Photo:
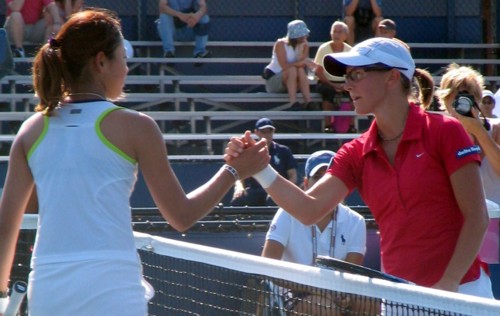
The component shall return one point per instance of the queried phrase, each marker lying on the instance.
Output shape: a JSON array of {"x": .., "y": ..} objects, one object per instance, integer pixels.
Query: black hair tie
[{"x": 53, "y": 43}]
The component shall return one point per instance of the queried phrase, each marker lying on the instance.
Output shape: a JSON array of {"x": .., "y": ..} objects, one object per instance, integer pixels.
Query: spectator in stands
[
  {"x": 249, "y": 191},
  {"x": 32, "y": 21},
  {"x": 387, "y": 28},
  {"x": 496, "y": 110},
  {"x": 429, "y": 234},
  {"x": 331, "y": 88},
  {"x": 361, "y": 14},
  {"x": 460, "y": 80},
  {"x": 287, "y": 71},
  {"x": 487, "y": 104},
  {"x": 83, "y": 163},
  {"x": 341, "y": 234},
  {"x": 68, "y": 7},
  {"x": 184, "y": 20}
]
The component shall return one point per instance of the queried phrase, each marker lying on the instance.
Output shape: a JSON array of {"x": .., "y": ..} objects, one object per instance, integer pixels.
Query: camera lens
[{"x": 463, "y": 105}]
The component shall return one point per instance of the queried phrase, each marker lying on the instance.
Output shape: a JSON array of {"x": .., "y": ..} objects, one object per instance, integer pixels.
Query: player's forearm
[
  {"x": 467, "y": 247},
  {"x": 7, "y": 252},
  {"x": 293, "y": 199},
  {"x": 200, "y": 201}
]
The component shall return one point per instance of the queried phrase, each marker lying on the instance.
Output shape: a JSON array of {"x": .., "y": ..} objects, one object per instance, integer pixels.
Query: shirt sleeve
[
  {"x": 456, "y": 146},
  {"x": 279, "y": 230},
  {"x": 344, "y": 167},
  {"x": 320, "y": 54},
  {"x": 357, "y": 230}
]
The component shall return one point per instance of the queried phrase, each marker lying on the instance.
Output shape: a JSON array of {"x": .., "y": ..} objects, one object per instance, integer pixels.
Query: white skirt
[{"x": 93, "y": 287}]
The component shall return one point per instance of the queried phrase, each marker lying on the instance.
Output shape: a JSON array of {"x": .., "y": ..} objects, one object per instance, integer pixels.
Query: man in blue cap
[
  {"x": 340, "y": 234},
  {"x": 249, "y": 191}
]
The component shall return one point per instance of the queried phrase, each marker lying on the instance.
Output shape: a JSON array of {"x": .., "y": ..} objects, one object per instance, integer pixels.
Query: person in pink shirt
[
  {"x": 418, "y": 172},
  {"x": 28, "y": 20}
]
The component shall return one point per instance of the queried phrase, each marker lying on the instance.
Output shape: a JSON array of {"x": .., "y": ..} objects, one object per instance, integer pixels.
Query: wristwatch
[{"x": 4, "y": 294}]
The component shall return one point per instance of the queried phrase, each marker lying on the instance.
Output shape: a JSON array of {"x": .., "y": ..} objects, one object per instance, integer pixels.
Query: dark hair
[
  {"x": 293, "y": 42},
  {"x": 61, "y": 63}
]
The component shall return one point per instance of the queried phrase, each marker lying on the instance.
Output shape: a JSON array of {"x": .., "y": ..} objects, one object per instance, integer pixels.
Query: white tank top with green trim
[{"x": 84, "y": 185}]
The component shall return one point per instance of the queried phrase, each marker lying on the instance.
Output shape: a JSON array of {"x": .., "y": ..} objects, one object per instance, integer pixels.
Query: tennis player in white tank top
[{"x": 81, "y": 153}]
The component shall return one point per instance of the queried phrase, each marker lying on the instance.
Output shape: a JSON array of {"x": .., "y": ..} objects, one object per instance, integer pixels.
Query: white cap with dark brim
[{"x": 378, "y": 50}]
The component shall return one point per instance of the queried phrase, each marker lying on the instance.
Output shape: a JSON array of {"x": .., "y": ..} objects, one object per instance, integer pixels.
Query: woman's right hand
[
  {"x": 246, "y": 155},
  {"x": 236, "y": 145}
]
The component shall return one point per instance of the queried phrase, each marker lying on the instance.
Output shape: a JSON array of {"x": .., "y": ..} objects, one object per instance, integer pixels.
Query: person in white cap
[
  {"x": 488, "y": 104},
  {"x": 287, "y": 70},
  {"x": 496, "y": 110},
  {"x": 429, "y": 234},
  {"x": 340, "y": 234}
]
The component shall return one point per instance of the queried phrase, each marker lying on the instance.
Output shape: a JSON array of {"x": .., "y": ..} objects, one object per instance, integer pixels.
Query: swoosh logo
[{"x": 419, "y": 155}]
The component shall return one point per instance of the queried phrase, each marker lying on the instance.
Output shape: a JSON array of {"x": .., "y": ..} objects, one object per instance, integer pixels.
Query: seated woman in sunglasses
[{"x": 418, "y": 172}]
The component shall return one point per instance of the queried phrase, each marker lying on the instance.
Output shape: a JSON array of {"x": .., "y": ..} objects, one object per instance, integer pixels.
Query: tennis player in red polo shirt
[{"x": 418, "y": 173}]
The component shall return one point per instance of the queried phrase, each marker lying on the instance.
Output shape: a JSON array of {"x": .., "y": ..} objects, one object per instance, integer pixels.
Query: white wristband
[
  {"x": 232, "y": 171},
  {"x": 4, "y": 301},
  {"x": 266, "y": 176}
]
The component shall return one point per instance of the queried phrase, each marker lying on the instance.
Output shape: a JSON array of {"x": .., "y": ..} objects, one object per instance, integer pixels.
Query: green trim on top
[
  {"x": 42, "y": 135},
  {"x": 106, "y": 141}
]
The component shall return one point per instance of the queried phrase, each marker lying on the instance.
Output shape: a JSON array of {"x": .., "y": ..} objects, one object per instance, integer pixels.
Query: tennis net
[{"x": 191, "y": 279}]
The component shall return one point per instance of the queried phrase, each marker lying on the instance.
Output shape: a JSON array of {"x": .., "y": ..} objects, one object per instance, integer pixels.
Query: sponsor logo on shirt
[{"x": 461, "y": 153}]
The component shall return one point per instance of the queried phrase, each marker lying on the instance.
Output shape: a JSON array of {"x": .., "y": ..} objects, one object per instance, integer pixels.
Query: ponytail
[
  {"x": 425, "y": 85},
  {"x": 48, "y": 77}
]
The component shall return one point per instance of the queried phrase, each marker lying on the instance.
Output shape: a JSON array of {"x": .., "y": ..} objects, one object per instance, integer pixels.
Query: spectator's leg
[
  {"x": 327, "y": 104},
  {"x": 290, "y": 81},
  {"x": 375, "y": 21},
  {"x": 304, "y": 86},
  {"x": 201, "y": 35},
  {"x": 350, "y": 7},
  {"x": 15, "y": 29},
  {"x": 37, "y": 33},
  {"x": 166, "y": 31},
  {"x": 351, "y": 23}
]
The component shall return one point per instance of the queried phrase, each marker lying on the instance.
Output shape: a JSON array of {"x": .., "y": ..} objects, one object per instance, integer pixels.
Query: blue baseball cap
[
  {"x": 264, "y": 123},
  {"x": 317, "y": 160}
]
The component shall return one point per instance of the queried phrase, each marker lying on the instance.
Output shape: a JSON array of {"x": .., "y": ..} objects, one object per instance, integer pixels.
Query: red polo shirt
[
  {"x": 412, "y": 200},
  {"x": 32, "y": 10}
]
